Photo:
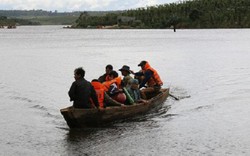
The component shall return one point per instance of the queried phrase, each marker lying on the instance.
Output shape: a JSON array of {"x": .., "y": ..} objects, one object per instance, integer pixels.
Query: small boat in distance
[{"x": 80, "y": 118}]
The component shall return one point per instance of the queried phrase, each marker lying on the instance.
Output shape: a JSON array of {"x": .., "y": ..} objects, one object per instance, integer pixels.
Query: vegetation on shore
[
  {"x": 184, "y": 14},
  {"x": 38, "y": 17},
  {"x": 46, "y": 17},
  {"x": 4, "y": 21}
]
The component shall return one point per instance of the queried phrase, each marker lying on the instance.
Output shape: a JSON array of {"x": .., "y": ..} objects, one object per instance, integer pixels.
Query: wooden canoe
[{"x": 80, "y": 118}]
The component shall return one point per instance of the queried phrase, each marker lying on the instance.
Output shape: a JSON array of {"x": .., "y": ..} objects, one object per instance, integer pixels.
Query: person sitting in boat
[
  {"x": 134, "y": 91},
  {"x": 113, "y": 87},
  {"x": 125, "y": 70},
  {"x": 100, "y": 92},
  {"x": 82, "y": 92},
  {"x": 139, "y": 76},
  {"x": 105, "y": 77},
  {"x": 151, "y": 79}
]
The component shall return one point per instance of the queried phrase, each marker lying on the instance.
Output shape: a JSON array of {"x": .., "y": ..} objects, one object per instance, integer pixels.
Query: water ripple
[
  {"x": 21, "y": 99},
  {"x": 204, "y": 107},
  {"x": 39, "y": 107}
]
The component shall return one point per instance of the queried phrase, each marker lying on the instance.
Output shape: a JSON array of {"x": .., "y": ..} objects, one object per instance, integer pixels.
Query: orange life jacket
[
  {"x": 99, "y": 89},
  {"x": 117, "y": 81},
  {"x": 155, "y": 79}
]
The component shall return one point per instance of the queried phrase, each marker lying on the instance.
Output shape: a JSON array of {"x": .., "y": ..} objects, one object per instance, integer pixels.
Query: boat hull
[{"x": 80, "y": 118}]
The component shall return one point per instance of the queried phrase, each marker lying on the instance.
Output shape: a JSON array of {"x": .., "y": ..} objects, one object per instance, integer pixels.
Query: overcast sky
[{"x": 78, "y": 5}]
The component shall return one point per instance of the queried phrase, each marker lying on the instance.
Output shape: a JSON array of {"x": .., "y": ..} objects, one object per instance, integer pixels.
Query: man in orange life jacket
[
  {"x": 151, "y": 79},
  {"x": 81, "y": 91},
  {"x": 113, "y": 87},
  {"x": 105, "y": 77},
  {"x": 114, "y": 84},
  {"x": 103, "y": 98}
]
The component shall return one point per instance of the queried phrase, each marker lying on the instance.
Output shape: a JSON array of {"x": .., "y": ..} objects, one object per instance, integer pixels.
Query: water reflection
[
  {"x": 118, "y": 128},
  {"x": 103, "y": 140}
]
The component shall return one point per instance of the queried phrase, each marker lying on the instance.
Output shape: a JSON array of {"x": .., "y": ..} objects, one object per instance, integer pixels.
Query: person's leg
[
  {"x": 146, "y": 91},
  {"x": 109, "y": 101},
  {"x": 157, "y": 89}
]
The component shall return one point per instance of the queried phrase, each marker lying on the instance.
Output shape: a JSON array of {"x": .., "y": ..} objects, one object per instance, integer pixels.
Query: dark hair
[
  {"x": 113, "y": 73},
  {"x": 109, "y": 66},
  {"x": 142, "y": 63},
  {"x": 80, "y": 71},
  {"x": 95, "y": 80}
]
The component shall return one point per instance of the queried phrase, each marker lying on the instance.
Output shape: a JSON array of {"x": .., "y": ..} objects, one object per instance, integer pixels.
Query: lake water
[{"x": 208, "y": 69}]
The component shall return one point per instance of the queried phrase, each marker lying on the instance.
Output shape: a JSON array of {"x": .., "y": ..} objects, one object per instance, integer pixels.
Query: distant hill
[
  {"x": 47, "y": 17},
  {"x": 183, "y": 14}
]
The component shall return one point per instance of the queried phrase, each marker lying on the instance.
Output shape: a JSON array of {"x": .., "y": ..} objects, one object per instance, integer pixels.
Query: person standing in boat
[
  {"x": 126, "y": 73},
  {"x": 105, "y": 77},
  {"x": 151, "y": 79},
  {"x": 82, "y": 92}
]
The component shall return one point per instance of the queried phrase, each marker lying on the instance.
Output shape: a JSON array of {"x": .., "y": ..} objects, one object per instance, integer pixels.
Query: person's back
[
  {"x": 100, "y": 92},
  {"x": 81, "y": 91}
]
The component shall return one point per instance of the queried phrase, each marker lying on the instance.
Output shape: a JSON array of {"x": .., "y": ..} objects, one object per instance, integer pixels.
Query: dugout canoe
[{"x": 80, "y": 118}]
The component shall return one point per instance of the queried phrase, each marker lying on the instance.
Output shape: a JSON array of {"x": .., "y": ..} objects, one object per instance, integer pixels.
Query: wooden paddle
[{"x": 174, "y": 97}]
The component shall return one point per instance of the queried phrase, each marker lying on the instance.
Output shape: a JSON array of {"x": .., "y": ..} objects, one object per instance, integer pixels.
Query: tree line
[
  {"x": 32, "y": 13},
  {"x": 182, "y": 14},
  {"x": 5, "y": 21},
  {"x": 34, "y": 17}
]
